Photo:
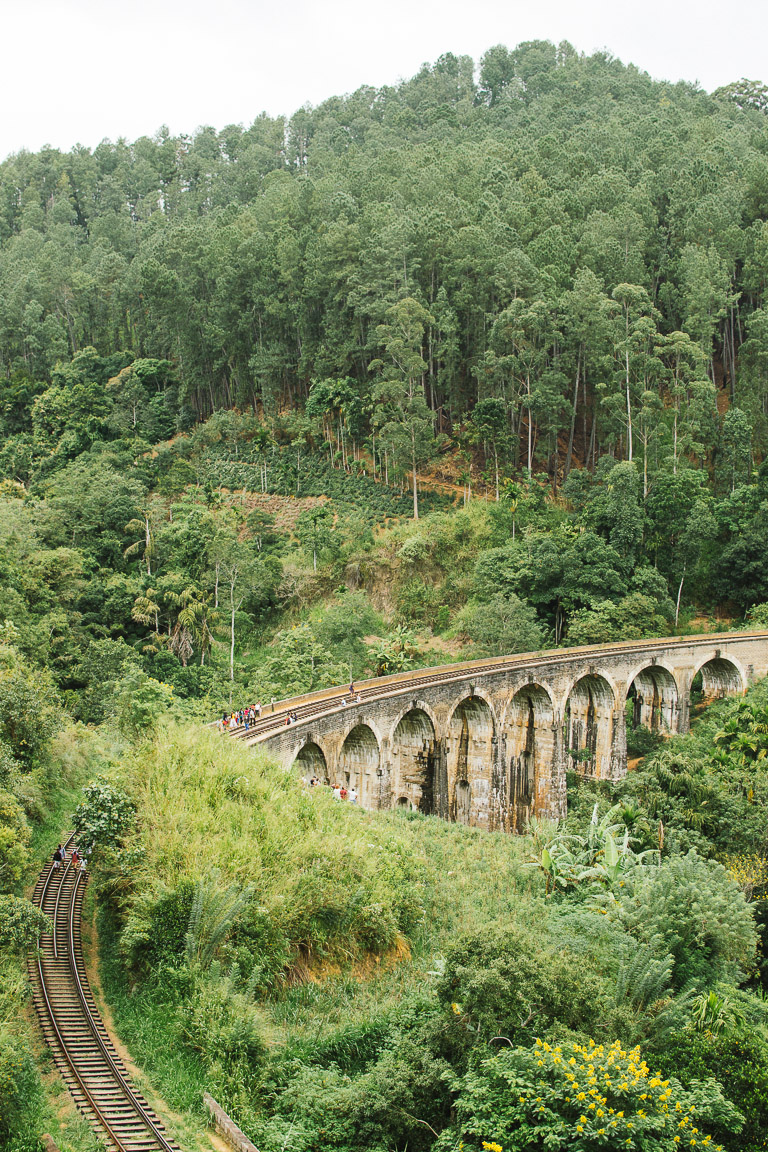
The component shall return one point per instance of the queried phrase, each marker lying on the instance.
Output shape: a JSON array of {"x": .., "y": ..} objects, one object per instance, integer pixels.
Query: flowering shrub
[{"x": 582, "y": 1098}]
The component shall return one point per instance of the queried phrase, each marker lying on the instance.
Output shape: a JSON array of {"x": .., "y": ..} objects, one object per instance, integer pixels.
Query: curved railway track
[
  {"x": 72, "y": 1026},
  {"x": 317, "y": 704}
]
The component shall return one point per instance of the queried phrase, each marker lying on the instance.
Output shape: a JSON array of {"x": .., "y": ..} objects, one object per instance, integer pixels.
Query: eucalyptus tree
[{"x": 404, "y": 419}]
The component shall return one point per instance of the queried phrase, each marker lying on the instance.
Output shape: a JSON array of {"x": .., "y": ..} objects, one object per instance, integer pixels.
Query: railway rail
[
  {"x": 72, "y": 1026},
  {"x": 317, "y": 704}
]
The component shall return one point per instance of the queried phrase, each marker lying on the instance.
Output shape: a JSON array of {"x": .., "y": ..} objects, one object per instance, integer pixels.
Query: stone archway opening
[
  {"x": 470, "y": 754},
  {"x": 360, "y": 765},
  {"x": 311, "y": 762},
  {"x": 715, "y": 679},
  {"x": 531, "y": 748},
  {"x": 415, "y": 758},
  {"x": 652, "y": 704},
  {"x": 588, "y": 726}
]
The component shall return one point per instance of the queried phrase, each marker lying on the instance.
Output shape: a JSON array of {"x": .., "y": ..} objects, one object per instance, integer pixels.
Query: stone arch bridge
[{"x": 488, "y": 742}]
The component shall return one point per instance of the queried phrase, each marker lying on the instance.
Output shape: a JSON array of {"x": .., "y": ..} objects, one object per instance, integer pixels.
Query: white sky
[{"x": 76, "y": 71}]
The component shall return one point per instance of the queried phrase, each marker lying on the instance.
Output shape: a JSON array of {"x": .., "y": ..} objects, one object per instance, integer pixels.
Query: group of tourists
[
  {"x": 241, "y": 717},
  {"x": 246, "y": 717},
  {"x": 77, "y": 861},
  {"x": 340, "y": 791}
]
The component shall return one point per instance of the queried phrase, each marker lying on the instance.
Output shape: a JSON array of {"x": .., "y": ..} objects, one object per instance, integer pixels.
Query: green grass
[{"x": 142, "y": 1019}]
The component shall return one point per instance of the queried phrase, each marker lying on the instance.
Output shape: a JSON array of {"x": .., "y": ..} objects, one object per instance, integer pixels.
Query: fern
[
  {"x": 214, "y": 911},
  {"x": 643, "y": 977}
]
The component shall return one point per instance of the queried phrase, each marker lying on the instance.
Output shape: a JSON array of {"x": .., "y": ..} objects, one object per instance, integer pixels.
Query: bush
[
  {"x": 738, "y": 1062},
  {"x": 104, "y": 817},
  {"x": 580, "y": 1097},
  {"x": 19, "y": 1084},
  {"x": 501, "y": 625},
  {"x": 691, "y": 908},
  {"x": 508, "y": 982},
  {"x": 641, "y": 741},
  {"x": 14, "y": 841},
  {"x": 220, "y": 1023},
  {"x": 140, "y": 702},
  {"x": 20, "y": 923}
]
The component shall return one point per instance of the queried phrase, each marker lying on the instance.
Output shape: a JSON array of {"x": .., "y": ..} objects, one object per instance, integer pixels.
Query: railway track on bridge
[
  {"x": 72, "y": 1026},
  {"x": 318, "y": 704}
]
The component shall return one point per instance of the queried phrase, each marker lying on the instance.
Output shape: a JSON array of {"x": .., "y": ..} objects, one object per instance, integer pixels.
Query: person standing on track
[
  {"x": 58, "y": 856},
  {"x": 75, "y": 859}
]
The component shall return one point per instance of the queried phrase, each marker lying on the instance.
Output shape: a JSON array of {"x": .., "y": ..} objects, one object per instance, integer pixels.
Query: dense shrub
[
  {"x": 512, "y": 982},
  {"x": 104, "y": 817},
  {"x": 19, "y": 1083},
  {"x": 739, "y": 1063},
  {"x": 220, "y": 1022},
  {"x": 580, "y": 1097},
  {"x": 692, "y": 909}
]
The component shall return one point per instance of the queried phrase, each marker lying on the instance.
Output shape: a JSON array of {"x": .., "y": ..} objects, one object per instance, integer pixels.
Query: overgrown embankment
[{"x": 347, "y": 980}]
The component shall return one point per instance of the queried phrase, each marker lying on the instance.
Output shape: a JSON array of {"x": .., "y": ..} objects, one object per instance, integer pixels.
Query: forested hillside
[
  {"x": 540, "y": 281},
  {"x": 562, "y": 234}
]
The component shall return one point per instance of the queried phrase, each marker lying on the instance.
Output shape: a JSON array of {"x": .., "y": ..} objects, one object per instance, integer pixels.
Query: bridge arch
[
  {"x": 360, "y": 764},
  {"x": 720, "y": 676},
  {"x": 310, "y": 760},
  {"x": 470, "y": 750},
  {"x": 531, "y": 748},
  {"x": 588, "y": 724},
  {"x": 415, "y": 758},
  {"x": 654, "y": 694}
]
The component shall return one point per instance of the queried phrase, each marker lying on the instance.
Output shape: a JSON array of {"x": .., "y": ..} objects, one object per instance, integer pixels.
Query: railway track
[
  {"x": 72, "y": 1026},
  {"x": 317, "y": 704}
]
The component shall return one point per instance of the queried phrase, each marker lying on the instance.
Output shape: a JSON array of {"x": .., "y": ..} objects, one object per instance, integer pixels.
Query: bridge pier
[{"x": 618, "y": 762}]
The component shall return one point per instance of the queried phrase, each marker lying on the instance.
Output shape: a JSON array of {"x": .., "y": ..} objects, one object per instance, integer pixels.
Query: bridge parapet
[{"x": 488, "y": 742}]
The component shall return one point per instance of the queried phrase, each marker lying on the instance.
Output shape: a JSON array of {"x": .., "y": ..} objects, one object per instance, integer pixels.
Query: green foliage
[
  {"x": 505, "y": 983},
  {"x": 641, "y": 741},
  {"x": 20, "y": 923},
  {"x": 632, "y": 618},
  {"x": 297, "y": 662},
  {"x": 219, "y": 1022},
  {"x": 501, "y": 625},
  {"x": 105, "y": 816},
  {"x": 214, "y": 910},
  {"x": 739, "y": 1062},
  {"x": 581, "y": 1097},
  {"x": 140, "y": 701},
  {"x": 19, "y": 1084},
  {"x": 693, "y": 910},
  {"x": 343, "y": 626},
  {"x": 14, "y": 843},
  {"x": 27, "y": 714},
  {"x": 397, "y": 652}
]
